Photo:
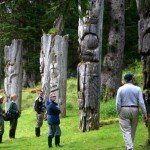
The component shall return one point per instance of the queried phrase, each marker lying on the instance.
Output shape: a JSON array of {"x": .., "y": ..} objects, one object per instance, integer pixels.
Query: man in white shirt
[{"x": 129, "y": 98}]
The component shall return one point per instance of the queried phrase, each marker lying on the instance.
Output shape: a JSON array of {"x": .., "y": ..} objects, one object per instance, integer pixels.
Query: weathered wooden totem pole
[
  {"x": 13, "y": 71},
  {"x": 90, "y": 42},
  {"x": 44, "y": 64},
  {"x": 144, "y": 49},
  {"x": 53, "y": 67}
]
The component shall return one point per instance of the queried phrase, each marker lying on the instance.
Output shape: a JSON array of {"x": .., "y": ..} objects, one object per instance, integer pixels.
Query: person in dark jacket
[
  {"x": 14, "y": 111},
  {"x": 53, "y": 112},
  {"x": 1, "y": 119},
  {"x": 40, "y": 108}
]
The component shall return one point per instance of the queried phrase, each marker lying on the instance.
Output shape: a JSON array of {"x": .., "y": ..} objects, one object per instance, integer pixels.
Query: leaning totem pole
[
  {"x": 90, "y": 42},
  {"x": 144, "y": 48},
  {"x": 13, "y": 71},
  {"x": 53, "y": 68}
]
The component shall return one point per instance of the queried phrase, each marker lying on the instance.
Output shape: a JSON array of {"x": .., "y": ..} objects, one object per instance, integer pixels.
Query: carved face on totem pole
[
  {"x": 89, "y": 51},
  {"x": 89, "y": 34}
]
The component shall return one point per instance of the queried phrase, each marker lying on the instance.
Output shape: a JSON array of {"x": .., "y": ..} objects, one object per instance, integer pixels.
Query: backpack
[{"x": 9, "y": 116}]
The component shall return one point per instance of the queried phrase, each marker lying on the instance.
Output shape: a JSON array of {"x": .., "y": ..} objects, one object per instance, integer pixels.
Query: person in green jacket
[
  {"x": 13, "y": 110},
  {"x": 1, "y": 119}
]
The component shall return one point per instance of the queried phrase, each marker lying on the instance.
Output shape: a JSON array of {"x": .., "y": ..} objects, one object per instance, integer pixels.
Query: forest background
[{"x": 30, "y": 19}]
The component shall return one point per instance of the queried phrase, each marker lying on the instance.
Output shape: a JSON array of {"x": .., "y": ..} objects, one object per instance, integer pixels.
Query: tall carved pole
[
  {"x": 44, "y": 64},
  {"x": 53, "y": 68},
  {"x": 144, "y": 49},
  {"x": 90, "y": 43},
  {"x": 13, "y": 71}
]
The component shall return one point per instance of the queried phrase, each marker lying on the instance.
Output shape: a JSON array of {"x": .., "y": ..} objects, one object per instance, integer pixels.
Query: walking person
[
  {"x": 129, "y": 98},
  {"x": 14, "y": 111},
  {"x": 40, "y": 108},
  {"x": 53, "y": 119},
  {"x": 1, "y": 119}
]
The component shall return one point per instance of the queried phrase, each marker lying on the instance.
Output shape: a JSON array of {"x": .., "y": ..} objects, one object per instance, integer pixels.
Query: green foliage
[
  {"x": 28, "y": 99},
  {"x": 136, "y": 69},
  {"x": 131, "y": 34},
  {"x": 72, "y": 103},
  {"x": 85, "y": 5},
  {"x": 53, "y": 31},
  {"x": 108, "y": 110}
]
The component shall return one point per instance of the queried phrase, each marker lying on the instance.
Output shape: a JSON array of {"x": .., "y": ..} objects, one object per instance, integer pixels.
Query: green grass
[{"x": 108, "y": 137}]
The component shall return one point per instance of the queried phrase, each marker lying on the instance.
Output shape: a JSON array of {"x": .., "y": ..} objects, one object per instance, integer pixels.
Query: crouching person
[
  {"x": 53, "y": 112},
  {"x": 1, "y": 119}
]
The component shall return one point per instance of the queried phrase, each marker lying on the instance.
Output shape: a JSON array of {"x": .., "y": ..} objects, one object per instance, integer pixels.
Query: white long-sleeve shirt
[{"x": 128, "y": 95}]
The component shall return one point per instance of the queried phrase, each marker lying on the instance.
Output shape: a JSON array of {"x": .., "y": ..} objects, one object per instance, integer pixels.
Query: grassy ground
[{"x": 108, "y": 137}]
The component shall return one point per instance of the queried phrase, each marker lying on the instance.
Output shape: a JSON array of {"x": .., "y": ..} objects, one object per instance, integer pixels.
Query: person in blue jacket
[{"x": 53, "y": 120}]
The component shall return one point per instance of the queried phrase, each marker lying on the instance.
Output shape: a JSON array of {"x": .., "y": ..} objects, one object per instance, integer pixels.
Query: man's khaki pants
[{"x": 128, "y": 119}]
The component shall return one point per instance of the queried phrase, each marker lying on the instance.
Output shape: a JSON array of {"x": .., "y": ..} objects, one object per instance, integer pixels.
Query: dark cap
[{"x": 128, "y": 77}]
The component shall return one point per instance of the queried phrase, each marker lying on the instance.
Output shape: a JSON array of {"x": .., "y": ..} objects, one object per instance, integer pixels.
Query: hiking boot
[
  {"x": 49, "y": 141},
  {"x": 57, "y": 141},
  {"x": 1, "y": 138},
  {"x": 37, "y": 131}
]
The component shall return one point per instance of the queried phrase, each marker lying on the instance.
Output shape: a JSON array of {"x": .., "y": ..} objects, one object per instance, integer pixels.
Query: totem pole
[
  {"x": 13, "y": 71},
  {"x": 90, "y": 43},
  {"x": 144, "y": 49},
  {"x": 53, "y": 67}
]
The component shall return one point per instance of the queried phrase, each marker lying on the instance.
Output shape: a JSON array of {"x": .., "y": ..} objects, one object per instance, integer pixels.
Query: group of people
[
  {"x": 14, "y": 112},
  {"x": 51, "y": 110},
  {"x": 129, "y": 98}
]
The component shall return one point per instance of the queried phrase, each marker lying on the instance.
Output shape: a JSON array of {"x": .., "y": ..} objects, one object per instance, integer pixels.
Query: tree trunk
[
  {"x": 112, "y": 64},
  {"x": 144, "y": 49},
  {"x": 53, "y": 68},
  {"x": 13, "y": 71},
  {"x": 90, "y": 43},
  {"x": 0, "y": 68}
]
